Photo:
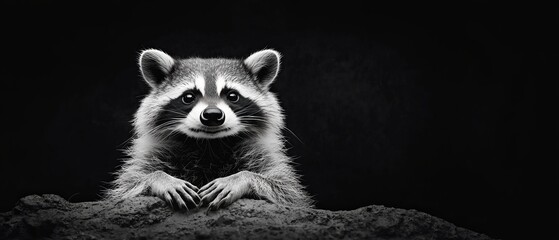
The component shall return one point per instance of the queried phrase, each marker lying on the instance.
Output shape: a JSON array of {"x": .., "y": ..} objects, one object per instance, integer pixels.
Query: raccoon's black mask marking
[
  {"x": 176, "y": 110},
  {"x": 248, "y": 112}
]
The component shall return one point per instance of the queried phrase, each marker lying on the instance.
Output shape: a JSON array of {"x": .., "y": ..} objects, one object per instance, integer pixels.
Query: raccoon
[{"x": 208, "y": 133}]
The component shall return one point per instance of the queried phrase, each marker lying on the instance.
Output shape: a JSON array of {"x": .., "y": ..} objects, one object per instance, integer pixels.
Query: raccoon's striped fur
[{"x": 209, "y": 132}]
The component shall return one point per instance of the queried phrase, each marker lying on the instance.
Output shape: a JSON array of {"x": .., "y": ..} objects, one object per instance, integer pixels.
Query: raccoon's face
[{"x": 208, "y": 98}]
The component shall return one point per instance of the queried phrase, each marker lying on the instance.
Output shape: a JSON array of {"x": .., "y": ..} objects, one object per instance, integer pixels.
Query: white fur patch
[
  {"x": 193, "y": 118},
  {"x": 200, "y": 83},
  {"x": 244, "y": 90},
  {"x": 175, "y": 91},
  {"x": 219, "y": 84},
  {"x": 231, "y": 119}
]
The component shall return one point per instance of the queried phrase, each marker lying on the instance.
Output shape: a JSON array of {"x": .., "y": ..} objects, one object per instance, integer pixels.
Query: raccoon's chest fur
[{"x": 201, "y": 160}]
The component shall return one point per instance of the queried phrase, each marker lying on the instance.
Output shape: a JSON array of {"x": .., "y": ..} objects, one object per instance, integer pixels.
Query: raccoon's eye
[
  {"x": 188, "y": 98},
  {"x": 233, "y": 96}
]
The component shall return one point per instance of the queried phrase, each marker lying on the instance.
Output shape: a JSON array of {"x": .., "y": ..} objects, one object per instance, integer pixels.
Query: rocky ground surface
[{"x": 52, "y": 217}]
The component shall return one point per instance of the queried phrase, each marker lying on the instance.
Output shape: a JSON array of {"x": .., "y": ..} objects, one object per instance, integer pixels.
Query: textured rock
[{"x": 52, "y": 217}]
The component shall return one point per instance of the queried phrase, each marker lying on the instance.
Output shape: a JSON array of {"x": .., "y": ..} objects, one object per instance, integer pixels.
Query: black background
[{"x": 444, "y": 109}]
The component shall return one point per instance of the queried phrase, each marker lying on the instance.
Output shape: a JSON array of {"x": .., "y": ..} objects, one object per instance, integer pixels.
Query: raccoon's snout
[{"x": 212, "y": 117}]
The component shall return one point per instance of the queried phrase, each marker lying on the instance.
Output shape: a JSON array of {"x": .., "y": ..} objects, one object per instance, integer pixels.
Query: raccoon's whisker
[
  {"x": 126, "y": 141},
  {"x": 162, "y": 127},
  {"x": 175, "y": 112},
  {"x": 170, "y": 133},
  {"x": 157, "y": 129},
  {"x": 243, "y": 112},
  {"x": 254, "y": 100},
  {"x": 253, "y": 113},
  {"x": 252, "y": 119},
  {"x": 292, "y": 133}
]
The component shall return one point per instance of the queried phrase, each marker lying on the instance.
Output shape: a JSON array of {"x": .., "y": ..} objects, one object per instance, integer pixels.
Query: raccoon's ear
[
  {"x": 155, "y": 66},
  {"x": 264, "y": 65}
]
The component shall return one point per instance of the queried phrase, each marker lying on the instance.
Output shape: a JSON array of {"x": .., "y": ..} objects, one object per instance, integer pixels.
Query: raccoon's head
[{"x": 208, "y": 98}]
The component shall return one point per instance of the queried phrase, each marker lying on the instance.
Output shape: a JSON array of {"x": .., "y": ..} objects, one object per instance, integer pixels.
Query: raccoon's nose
[{"x": 212, "y": 117}]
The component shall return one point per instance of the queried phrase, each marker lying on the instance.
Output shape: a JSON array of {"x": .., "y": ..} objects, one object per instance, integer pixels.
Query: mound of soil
[{"x": 52, "y": 217}]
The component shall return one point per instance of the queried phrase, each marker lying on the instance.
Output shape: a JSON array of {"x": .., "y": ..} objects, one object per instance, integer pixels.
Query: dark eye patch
[
  {"x": 176, "y": 109},
  {"x": 248, "y": 112}
]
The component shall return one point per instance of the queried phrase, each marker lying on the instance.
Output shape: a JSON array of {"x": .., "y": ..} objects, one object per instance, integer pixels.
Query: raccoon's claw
[
  {"x": 192, "y": 187},
  {"x": 181, "y": 197},
  {"x": 221, "y": 192},
  {"x": 179, "y": 194}
]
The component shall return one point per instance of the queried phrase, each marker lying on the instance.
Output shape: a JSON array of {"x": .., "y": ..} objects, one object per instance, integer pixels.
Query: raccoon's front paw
[
  {"x": 179, "y": 194},
  {"x": 223, "y": 191}
]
